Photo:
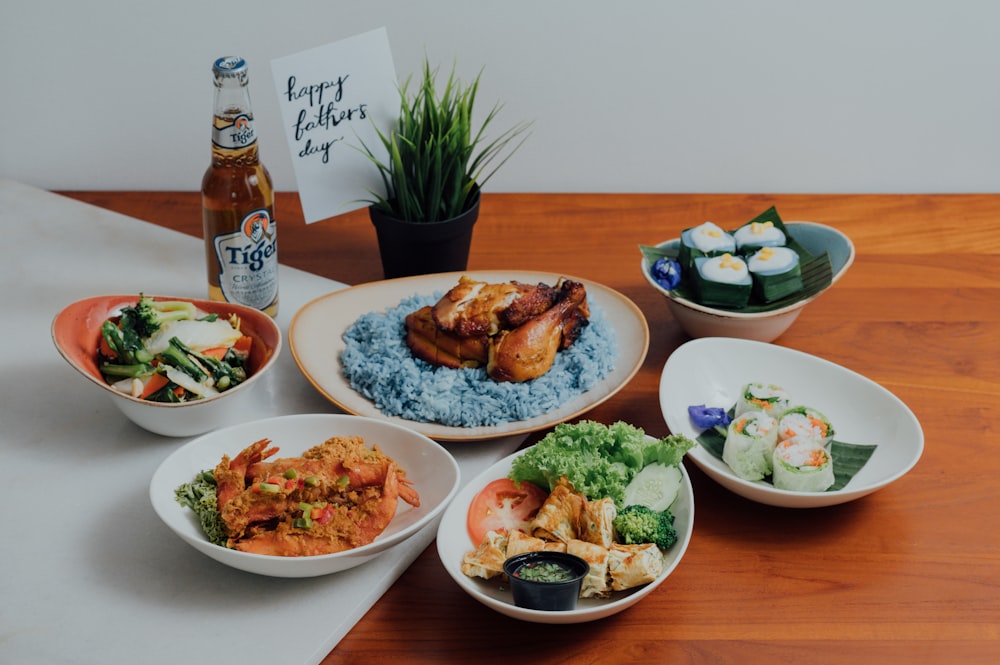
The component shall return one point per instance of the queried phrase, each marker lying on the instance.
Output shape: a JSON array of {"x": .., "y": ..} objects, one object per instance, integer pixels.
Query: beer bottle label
[
  {"x": 236, "y": 135},
  {"x": 248, "y": 258}
]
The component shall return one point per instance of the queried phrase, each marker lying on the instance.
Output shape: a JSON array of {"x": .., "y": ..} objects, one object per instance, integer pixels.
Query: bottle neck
[{"x": 234, "y": 138}]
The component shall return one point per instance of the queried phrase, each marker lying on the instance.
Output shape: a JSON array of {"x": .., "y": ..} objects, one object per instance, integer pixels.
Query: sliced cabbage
[
  {"x": 197, "y": 335},
  {"x": 189, "y": 384}
]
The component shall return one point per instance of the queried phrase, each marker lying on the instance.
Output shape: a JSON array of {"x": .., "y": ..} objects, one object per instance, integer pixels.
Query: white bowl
[
  {"x": 432, "y": 469},
  {"x": 76, "y": 331},
  {"x": 700, "y": 321},
  {"x": 712, "y": 371},
  {"x": 453, "y": 542}
]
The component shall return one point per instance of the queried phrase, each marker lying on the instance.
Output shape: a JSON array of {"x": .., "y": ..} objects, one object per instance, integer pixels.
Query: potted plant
[{"x": 434, "y": 169}]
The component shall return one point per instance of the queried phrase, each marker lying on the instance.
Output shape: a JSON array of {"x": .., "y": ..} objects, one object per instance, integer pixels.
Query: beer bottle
[{"x": 237, "y": 199}]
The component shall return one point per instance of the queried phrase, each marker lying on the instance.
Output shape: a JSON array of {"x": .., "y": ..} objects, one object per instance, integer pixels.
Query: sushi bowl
[
  {"x": 699, "y": 320},
  {"x": 865, "y": 416}
]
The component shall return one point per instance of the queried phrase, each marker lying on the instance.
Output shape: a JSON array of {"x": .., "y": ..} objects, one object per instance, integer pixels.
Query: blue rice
[{"x": 379, "y": 366}]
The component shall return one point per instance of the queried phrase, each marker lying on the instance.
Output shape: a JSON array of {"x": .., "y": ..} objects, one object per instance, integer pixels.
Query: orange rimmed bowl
[{"x": 76, "y": 332}]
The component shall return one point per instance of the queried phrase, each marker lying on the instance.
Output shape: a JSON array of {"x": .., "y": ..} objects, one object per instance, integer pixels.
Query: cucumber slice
[{"x": 655, "y": 487}]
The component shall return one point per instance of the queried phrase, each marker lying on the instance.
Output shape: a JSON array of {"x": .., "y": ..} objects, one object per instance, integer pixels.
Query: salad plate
[
  {"x": 316, "y": 341},
  {"x": 711, "y": 371},
  {"x": 433, "y": 471},
  {"x": 453, "y": 542}
]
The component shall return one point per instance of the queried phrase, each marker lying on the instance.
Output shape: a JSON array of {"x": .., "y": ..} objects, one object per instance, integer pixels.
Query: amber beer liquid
[{"x": 237, "y": 199}]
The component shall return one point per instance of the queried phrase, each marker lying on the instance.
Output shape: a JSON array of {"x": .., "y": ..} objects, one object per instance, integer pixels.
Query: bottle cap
[{"x": 231, "y": 66}]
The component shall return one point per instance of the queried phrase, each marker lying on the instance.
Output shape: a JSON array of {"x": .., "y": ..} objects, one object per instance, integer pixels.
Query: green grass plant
[{"x": 436, "y": 163}]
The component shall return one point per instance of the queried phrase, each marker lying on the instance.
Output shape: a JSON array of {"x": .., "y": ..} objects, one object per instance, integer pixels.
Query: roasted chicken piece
[
  {"x": 473, "y": 308},
  {"x": 439, "y": 347},
  {"x": 514, "y": 329},
  {"x": 528, "y": 351}
]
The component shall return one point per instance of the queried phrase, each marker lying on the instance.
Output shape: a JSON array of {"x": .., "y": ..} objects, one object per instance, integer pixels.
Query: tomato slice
[{"x": 503, "y": 505}]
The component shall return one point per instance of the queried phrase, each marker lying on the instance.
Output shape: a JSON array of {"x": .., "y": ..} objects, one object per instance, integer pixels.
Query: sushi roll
[
  {"x": 722, "y": 281},
  {"x": 766, "y": 397},
  {"x": 749, "y": 446},
  {"x": 758, "y": 234},
  {"x": 776, "y": 273},
  {"x": 800, "y": 465},
  {"x": 805, "y": 422},
  {"x": 707, "y": 239}
]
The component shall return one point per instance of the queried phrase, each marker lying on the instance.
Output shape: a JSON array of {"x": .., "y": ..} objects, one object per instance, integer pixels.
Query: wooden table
[{"x": 909, "y": 574}]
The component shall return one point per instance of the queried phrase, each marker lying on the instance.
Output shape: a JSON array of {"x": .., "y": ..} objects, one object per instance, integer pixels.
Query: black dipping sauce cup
[{"x": 535, "y": 594}]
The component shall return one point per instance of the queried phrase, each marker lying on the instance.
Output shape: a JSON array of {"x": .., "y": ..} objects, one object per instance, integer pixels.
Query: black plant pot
[{"x": 422, "y": 248}]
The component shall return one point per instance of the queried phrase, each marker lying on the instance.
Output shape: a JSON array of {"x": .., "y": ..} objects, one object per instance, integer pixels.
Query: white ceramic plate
[
  {"x": 453, "y": 542},
  {"x": 712, "y": 371},
  {"x": 432, "y": 469},
  {"x": 316, "y": 341}
]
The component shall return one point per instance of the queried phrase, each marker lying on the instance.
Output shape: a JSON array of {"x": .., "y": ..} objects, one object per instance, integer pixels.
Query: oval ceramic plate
[
  {"x": 432, "y": 469},
  {"x": 712, "y": 371},
  {"x": 316, "y": 341},
  {"x": 453, "y": 542}
]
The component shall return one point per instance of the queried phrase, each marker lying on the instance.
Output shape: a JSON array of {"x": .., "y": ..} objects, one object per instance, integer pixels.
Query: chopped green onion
[
  {"x": 291, "y": 474},
  {"x": 269, "y": 487}
]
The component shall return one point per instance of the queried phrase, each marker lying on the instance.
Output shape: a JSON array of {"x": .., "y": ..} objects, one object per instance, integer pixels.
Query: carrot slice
[
  {"x": 240, "y": 347},
  {"x": 156, "y": 381},
  {"x": 106, "y": 349},
  {"x": 243, "y": 344}
]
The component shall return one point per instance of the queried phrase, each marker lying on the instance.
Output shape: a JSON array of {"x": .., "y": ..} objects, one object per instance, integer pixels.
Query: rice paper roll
[
  {"x": 766, "y": 397},
  {"x": 722, "y": 281},
  {"x": 800, "y": 465},
  {"x": 755, "y": 235},
  {"x": 749, "y": 446},
  {"x": 776, "y": 273},
  {"x": 805, "y": 422},
  {"x": 708, "y": 239}
]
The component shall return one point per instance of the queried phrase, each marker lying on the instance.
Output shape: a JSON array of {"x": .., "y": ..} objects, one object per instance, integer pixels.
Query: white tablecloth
[{"x": 89, "y": 573}]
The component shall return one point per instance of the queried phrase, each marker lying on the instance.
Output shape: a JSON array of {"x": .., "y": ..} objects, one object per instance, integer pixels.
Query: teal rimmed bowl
[{"x": 763, "y": 325}]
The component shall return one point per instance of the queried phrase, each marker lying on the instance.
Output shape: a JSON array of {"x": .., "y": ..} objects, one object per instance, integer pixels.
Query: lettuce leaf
[{"x": 599, "y": 460}]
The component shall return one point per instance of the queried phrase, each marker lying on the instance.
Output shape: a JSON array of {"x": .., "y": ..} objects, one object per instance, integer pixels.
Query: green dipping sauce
[{"x": 544, "y": 571}]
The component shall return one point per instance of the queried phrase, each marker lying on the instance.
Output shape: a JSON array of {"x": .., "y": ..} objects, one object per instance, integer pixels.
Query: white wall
[{"x": 641, "y": 96}]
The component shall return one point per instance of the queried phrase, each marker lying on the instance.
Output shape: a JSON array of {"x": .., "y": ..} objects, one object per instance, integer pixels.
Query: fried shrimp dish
[{"x": 337, "y": 496}]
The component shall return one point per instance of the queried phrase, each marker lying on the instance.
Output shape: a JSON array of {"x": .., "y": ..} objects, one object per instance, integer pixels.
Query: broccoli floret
[
  {"x": 637, "y": 524},
  {"x": 149, "y": 315},
  {"x": 125, "y": 337}
]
